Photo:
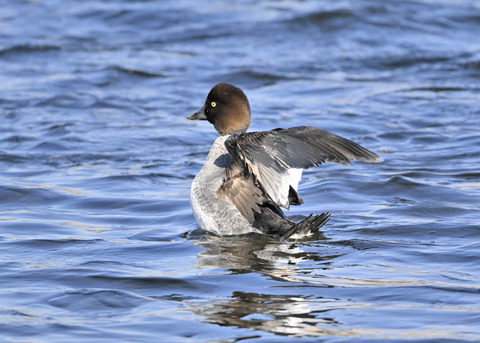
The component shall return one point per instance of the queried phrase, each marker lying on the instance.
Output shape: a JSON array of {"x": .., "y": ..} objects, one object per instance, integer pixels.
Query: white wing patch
[
  {"x": 295, "y": 177},
  {"x": 277, "y": 185}
]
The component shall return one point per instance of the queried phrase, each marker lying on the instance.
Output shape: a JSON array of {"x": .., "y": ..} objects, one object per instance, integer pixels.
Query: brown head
[{"x": 227, "y": 108}]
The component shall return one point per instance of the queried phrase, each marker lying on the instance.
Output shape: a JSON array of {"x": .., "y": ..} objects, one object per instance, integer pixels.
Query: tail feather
[{"x": 307, "y": 226}]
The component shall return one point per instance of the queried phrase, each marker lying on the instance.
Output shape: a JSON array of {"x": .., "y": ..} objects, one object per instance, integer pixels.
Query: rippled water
[{"x": 97, "y": 239}]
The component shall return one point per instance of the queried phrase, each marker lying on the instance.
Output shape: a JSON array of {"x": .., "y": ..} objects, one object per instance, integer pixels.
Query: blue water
[{"x": 97, "y": 238}]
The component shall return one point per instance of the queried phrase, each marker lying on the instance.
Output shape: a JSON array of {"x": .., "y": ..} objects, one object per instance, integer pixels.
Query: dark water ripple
[{"x": 97, "y": 238}]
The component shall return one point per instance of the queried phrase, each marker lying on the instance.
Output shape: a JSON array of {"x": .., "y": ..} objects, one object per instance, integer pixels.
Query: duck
[{"x": 248, "y": 177}]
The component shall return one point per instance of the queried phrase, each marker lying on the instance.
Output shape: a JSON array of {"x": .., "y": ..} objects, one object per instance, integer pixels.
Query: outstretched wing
[{"x": 274, "y": 156}]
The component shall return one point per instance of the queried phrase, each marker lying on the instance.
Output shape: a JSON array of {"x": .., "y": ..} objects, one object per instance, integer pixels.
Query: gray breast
[{"x": 214, "y": 214}]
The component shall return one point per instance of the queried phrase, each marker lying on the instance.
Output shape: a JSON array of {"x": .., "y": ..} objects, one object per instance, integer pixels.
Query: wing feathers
[
  {"x": 244, "y": 194},
  {"x": 274, "y": 158}
]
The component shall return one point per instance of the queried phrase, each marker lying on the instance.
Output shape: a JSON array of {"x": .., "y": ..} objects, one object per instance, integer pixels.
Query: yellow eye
[{"x": 213, "y": 103}]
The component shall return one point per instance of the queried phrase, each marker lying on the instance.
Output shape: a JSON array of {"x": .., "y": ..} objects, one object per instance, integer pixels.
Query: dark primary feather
[
  {"x": 307, "y": 226},
  {"x": 272, "y": 221}
]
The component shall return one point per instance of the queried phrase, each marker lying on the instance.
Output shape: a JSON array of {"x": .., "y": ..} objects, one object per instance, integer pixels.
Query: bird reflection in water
[{"x": 280, "y": 312}]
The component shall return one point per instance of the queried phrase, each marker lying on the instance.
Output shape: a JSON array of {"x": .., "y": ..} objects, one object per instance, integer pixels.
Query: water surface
[{"x": 97, "y": 238}]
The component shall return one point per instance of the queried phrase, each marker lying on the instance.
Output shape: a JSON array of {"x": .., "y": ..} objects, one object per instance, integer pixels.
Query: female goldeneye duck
[{"x": 247, "y": 177}]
